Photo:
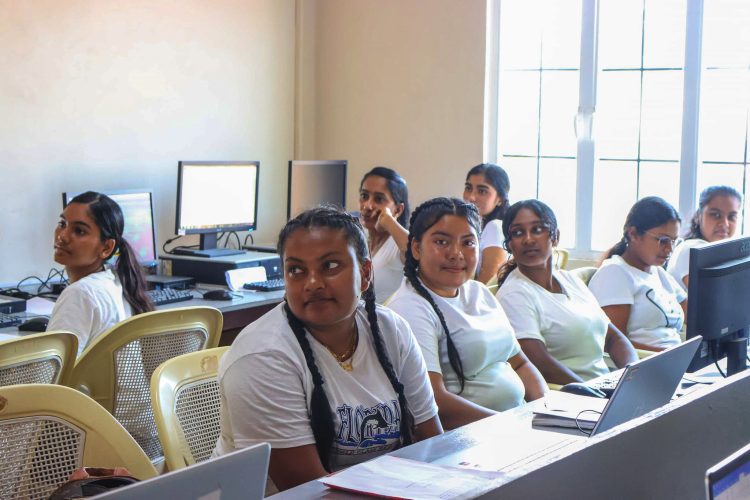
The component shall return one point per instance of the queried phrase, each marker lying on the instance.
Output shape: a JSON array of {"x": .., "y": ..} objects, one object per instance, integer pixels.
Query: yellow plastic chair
[
  {"x": 115, "y": 370},
  {"x": 43, "y": 358},
  {"x": 560, "y": 258},
  {"x": 493, "y": 285},
  {"x": 584, "y": 273},
  {"x": 186, "y": 400},
  {"x": 47, "y": 431}
]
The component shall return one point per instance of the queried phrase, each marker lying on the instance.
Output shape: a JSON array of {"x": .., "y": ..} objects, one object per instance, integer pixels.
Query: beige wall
[
  {"x": 397, "y": 83},
  {"x": 110, "y": 94}
]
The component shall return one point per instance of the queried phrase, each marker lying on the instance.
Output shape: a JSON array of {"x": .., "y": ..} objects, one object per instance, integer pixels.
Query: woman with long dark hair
[
  {"x": 716, "y": 219},
  {"x": 486, "y": 187},
  {"x": 384, "y": 211},
  {"x": 328, "y": 378},
  {"x": 88, "y": 235},
  {"x": 475, "y": 363},
  {"x": 557, "y": 320},
  {"x": 640, "y": 298}
]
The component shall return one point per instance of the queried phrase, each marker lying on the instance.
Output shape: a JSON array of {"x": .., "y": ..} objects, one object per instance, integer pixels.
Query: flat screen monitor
[
  {"x": 730, "y": 478},
  {"x": 719, "y": 302},
  {"x": 214, "y": 197},
  {"x": 315, "y": 182},
  {"x": 138, "y": 211}
]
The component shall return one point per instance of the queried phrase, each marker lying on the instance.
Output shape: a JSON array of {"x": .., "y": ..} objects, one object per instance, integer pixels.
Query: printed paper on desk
[
  {"x": 238, "y": 277},
  {"x": 393, "y": 477},
  {"x": 40, "y": 306}
]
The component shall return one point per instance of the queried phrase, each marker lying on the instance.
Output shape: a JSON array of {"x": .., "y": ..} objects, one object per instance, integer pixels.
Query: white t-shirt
[
  {"x": 571, "y": 324},
  {"x": 679, "y": 264},
  {"x": 492, "y": 236},
  {"x": 266, "y": 388},
  {"x": 482, "y": 335},
  {"x": 388, "y": 270},
  {"x": 89, "y": 307},
  {"x": 655, "y": 315}
]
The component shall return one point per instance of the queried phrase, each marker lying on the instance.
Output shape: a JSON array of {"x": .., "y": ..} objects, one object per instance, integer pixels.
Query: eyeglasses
[{"x": 665, "y": 241}]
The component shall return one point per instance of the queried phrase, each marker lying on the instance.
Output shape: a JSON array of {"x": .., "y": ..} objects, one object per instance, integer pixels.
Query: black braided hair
[
  {"x": 543, "y": 211},
  {"x": 498, "y": 178},
  {"x": 424, "y": 217},
  {"x": 321, "y": 415},
  {"x": 645, "y": 214},
  {"x": 706, "y": 196}
]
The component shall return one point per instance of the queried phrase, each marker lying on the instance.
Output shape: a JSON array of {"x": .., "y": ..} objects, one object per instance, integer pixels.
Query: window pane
[
  {"x": 617, "y": 114},
  {"x": 557, "y": 188},
  {"x": 620, "y": 27},
  {"x": 723, "y": 114},
  {"x": 518, "y": 122},
  {"x": 520, "y": 35},
  {"x": 614, "y": 194},
  {"x": 559, "y": 106},
  {"x": 660, "y": 179},
  {"x": 561, "y": 33},
  {"x": 664, "y": 34},
  {"x": 522, "y": 174},
  {"x": 712, "y": 174},
  {"x": 661, "y": 117},
  {"x": 726, "y": 33}
]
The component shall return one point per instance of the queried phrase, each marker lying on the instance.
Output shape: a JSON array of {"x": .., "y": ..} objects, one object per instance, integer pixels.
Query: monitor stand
[{"x": 207, "y": 248}]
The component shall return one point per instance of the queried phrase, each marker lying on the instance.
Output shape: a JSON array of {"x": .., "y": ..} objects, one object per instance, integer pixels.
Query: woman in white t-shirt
[
  {"x": 716, "y": 219},
  {"x": 384, "y": 211},
  {"x": 487, "y": 187},
  {"x": 634, "y": 290},
  {"x": 557, "y": 320},
  {"x": 327, "y": 379},
  {"x": 475, "y": 364},
  {"x": 89, "y": 233}
]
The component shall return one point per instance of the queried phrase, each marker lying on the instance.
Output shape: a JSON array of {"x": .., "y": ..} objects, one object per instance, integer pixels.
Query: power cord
[
  {"x": 252, "y": 241},
  {"x": 578, "y": 425}
]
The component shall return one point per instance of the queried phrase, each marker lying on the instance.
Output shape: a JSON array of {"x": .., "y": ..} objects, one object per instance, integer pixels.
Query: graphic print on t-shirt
[{"x": 368, "y": 429}]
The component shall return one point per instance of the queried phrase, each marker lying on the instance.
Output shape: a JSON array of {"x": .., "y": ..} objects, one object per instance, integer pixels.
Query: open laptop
[
  {"x": 647, "y": 384},
  {"x": 241, "y": 474},
  {"x": 730, "y": 478}
]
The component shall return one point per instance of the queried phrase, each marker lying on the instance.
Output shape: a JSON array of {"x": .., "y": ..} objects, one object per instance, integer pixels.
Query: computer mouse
[
  {"x": 37, "y": 324},
  {"x": 582, "y": 390},
  {"x": 218, "y": 295}
]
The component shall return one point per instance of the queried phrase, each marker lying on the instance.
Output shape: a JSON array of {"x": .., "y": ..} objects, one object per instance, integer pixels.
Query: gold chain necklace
[{"x": 345, "y": 360}]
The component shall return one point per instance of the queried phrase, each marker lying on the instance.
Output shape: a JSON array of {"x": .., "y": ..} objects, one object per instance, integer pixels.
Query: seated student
[
  {"x": 88, "y": 235},
  {"x": 475, "y": 364},
  {"x": 487, "y": 187},
  {"x": 384, "y": 210},
  {"x": 636, "y": 293},
  {"x": 327, "y": 379},
  {"x": 716, "y": 219},
  {"x": 557, "y": 320}
]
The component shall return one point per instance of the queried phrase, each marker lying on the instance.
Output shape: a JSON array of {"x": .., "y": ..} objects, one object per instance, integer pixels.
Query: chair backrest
[
  {"x": 115, "y": 370},
  {"x": 560, "y": 258},
  {"x": 584, "y": 273},
  {"x": 47, "y": 431},
  {"x": 43, "y": 358},
  {"x": 186, "y": 400}
]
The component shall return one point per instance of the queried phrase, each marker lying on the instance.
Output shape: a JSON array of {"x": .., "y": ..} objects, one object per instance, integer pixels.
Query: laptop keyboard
[
  {"x": 10, "y": 320},
  {"x": 265, "y": 286},
  {"x": 169, "y": 296},
  {"x": 607, "y": 383}
]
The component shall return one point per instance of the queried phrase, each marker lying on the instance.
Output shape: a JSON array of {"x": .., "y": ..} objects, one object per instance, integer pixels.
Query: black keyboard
[
  {"x": 607, "y": 383},
  {"x": 265, "y": 286},
  {"x": 169, "y": 296},
  {"x": 10, "y": 320}
]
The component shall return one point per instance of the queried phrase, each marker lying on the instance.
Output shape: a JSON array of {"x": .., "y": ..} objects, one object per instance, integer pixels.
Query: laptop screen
[{"x": 730, "y": 479}]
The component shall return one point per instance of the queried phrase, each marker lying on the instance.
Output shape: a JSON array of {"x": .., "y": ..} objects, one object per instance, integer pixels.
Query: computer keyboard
[
  {"x": 10, "y": 320},
  {"x": 169, "y": 296},
  {"x": 265, "y": 286},
  {"x": 607, "y": 383}
]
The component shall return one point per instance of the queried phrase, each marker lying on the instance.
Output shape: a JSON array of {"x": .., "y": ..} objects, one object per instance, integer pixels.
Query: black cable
[
  {"x": 252, "y": 240},
  {"x": 164, "y": 246},
  {"x": 585, "y": 431},
  {"x": 719, "y": 368},
  {"x": 239, "y": 245}
]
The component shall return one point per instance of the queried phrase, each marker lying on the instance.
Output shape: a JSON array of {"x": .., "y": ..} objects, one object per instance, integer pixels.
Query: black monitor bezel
[
  {"x": 218, "y": 229},
  {"x": 301, "y": 163},
  {"x": 69, "y": 195}
]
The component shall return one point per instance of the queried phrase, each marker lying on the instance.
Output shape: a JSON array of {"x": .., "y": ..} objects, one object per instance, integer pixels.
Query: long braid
[
  {"x": 321, "y": 418},
  {"x": 427, "y": 214},
  {"x": 407, "y": 419},
  {"x": 505, "y": 270}
]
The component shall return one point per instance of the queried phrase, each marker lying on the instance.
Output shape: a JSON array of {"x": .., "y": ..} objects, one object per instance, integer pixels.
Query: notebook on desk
[
  {"x": 730, "y": 478},
  {"x": 241, "y": 474},
  {"x": 644, "y": 386}
]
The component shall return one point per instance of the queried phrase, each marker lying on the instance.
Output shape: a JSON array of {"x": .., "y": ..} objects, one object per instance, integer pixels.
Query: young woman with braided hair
[
  {"x": 475, "y": 364},
  {"x": 328, "y": 379}
]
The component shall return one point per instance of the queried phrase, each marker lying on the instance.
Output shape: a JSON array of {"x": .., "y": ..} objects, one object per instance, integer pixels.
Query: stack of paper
[{"x": 569, "y": 410}]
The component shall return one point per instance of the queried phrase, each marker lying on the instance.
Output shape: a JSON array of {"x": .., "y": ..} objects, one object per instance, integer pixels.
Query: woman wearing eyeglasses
[
  {"x": 634, "y": 290},
  {"x": 716, "y": 219}
]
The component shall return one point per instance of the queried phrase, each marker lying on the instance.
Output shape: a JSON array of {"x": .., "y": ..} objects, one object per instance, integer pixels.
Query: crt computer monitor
[
  {"x": 315, "y": 182},
  {"x": 214, "y": 197},
  {"x": 138, "y": 211},
  {"x": 719, "y": 302}
]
